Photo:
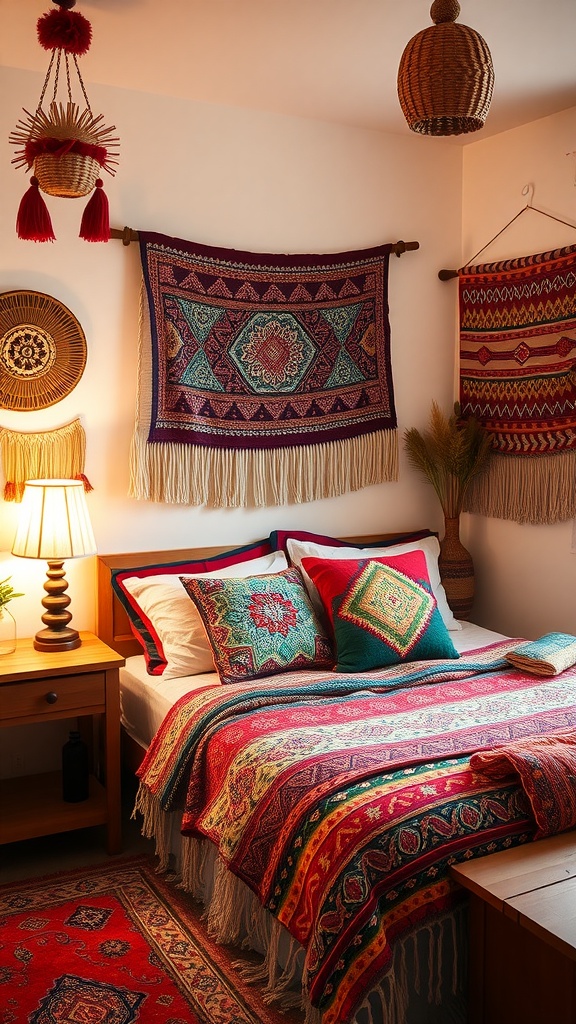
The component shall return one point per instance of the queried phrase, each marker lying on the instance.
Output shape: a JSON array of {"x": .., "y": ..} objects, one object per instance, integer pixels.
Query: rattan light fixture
[{"x": 445, "y": 76}]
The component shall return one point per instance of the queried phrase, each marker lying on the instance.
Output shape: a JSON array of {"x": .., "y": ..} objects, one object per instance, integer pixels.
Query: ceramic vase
[{"x": 456, "y": 570}]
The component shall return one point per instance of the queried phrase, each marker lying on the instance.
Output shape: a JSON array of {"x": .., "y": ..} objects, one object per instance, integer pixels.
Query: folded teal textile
[{"x": 547, "y": 656}]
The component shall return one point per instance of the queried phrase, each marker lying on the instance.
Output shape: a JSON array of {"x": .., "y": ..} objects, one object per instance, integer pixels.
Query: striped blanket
[{"x": 342, "y": 802}]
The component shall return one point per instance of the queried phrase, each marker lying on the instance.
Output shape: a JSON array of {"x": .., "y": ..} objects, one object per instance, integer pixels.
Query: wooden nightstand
[{"x": 38, "y": 687}]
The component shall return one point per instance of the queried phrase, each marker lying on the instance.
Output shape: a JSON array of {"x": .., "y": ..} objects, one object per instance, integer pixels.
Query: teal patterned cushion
[{"x": 260, "y": 625}]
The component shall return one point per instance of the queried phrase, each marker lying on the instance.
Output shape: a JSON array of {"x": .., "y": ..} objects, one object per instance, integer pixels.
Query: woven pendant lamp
[{"x": 445, "y": 76}]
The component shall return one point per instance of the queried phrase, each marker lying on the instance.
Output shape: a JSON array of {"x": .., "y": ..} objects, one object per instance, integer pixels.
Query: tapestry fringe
[
  {"x": 42, "y": 455},
  {"x": 539, "y": 490},
  {"x": 242, "y": 478}
]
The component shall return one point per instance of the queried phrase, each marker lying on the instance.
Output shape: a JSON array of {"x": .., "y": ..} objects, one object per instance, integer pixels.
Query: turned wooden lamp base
[{"x": 57, "y": 636}]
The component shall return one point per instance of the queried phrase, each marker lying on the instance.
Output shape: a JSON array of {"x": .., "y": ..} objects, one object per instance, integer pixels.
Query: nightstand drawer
[{"x": 60, "y": 694}]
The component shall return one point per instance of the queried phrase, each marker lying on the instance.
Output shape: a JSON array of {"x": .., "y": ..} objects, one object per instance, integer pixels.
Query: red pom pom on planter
[{"x": 65, "y": 30}]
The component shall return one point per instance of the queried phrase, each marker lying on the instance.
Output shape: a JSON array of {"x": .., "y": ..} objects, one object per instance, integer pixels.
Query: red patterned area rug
[{"x": 112, "y": 945}]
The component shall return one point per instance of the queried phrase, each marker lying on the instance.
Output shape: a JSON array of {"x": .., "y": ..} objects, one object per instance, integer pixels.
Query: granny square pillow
[
  {"x": 260, "y": 625},
  {"x": 382, "y": 610},
  {"x": 297, "y": 550}
]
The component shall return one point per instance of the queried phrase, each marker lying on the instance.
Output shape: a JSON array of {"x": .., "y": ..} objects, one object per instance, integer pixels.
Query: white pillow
[
  {"x": 175, "y": 617},
  {"x": 299, "y": 549}
]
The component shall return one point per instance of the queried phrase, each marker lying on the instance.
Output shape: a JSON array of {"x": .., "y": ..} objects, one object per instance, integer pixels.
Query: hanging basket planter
[
  {"x": 68, "y": 177},
  {"x": 66, "y": 147}
]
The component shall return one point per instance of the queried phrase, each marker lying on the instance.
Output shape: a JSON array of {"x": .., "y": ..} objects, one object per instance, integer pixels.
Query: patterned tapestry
[
  {"x": 518, "y": 377},
  {"x": 264, "y": 379}
]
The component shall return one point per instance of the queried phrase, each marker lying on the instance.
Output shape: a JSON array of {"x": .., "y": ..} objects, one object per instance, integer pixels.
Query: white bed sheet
[{"x": 145, "y": 699}]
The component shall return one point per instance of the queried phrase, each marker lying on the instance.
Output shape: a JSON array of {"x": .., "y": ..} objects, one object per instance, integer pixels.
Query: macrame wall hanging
[
  {"x": 66, "y": 145},
  {"x": 42, "y": 455}
]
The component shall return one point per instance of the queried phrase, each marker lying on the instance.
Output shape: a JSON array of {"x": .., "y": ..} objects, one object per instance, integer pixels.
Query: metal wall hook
[{"x": 528, "y": 190}]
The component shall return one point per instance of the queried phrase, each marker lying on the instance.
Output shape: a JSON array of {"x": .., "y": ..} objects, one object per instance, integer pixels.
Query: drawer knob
[{"x": 51, "y": 697}]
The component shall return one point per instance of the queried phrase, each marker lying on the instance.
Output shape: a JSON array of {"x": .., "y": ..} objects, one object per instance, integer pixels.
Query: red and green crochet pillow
[
  {"x": 260, "y": 625},
  {"x": 382, "y": 610}
]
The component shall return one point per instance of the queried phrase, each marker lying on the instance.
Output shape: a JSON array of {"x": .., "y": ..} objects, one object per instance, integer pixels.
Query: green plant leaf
[{"x": 7, "y": 592}]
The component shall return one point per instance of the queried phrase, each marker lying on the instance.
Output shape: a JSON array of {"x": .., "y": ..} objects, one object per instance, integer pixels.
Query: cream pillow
[
  {"x": 299, "y": 549},
  {"x": 175, "y": 618}
]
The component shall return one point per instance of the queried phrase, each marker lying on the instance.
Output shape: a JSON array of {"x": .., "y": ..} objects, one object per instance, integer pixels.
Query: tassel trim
[
  {"x": 33, "y": 223},
  {"x": 95, "y": 225}
]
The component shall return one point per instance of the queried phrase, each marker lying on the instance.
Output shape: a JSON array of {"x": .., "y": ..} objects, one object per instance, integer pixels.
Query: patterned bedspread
[{"x": 342, "y": 802}]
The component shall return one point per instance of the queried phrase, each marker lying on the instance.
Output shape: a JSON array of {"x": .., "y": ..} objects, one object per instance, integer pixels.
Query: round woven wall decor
[{"x": 42, "y": 350}]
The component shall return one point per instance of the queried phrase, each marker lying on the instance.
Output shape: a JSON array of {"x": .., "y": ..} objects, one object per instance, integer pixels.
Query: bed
[{"x": 314, "y": 794}]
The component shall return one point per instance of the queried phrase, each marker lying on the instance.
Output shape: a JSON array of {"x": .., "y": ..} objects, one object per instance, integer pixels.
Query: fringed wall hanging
[
  {"x": 264, "y": 379},
  {"x": 42, "y": 350},
  {"x": 42, "y": 455},
  {"x": 518, "y": 377},
  {"x": 67, "y": 146}
]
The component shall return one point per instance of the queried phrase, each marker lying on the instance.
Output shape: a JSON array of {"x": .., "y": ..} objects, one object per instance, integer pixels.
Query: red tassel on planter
[
  {"x": 95, "y": 226},
  {"x": 85, "y": 481},
  {"x": 33, "y": 219}
]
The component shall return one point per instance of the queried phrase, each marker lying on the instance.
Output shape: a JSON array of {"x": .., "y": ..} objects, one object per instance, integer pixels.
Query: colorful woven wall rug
[
  {"x": 42, "y": 350},
  {"x": 518, "y": 378},
  {"x": 66, "y": 145},
  {"x": 264, "y": 378},
  {"x": 116, "y": 945}
]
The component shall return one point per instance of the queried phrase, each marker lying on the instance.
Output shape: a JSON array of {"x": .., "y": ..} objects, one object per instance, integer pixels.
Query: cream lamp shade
[{"x": 54, "y": 524}]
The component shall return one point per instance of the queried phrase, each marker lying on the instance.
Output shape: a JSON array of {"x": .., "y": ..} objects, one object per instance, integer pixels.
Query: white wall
[
  {"x": 244, "y": 179},
  {"x": 526, "y": 575}
]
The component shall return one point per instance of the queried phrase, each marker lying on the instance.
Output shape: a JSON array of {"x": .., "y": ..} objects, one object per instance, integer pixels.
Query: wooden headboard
[{"x": 112, "y": 623}]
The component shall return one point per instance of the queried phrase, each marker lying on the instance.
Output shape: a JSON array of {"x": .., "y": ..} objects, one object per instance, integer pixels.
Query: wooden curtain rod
[{"x": 128, "y": 235}]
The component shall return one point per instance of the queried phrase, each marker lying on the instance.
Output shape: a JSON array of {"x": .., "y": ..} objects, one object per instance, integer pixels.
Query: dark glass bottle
[{"x": 75, "y": 770}]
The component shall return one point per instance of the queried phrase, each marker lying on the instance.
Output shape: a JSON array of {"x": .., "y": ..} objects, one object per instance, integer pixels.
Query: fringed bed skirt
[{"x": 425, "y": 986}]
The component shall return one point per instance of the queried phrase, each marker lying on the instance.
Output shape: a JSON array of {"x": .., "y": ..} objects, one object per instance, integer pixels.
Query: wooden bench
[{"x": 522, "y": 965}]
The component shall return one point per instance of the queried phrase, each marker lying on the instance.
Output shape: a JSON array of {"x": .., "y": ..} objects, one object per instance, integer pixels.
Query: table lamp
[{"x": 54, "y": 524}]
